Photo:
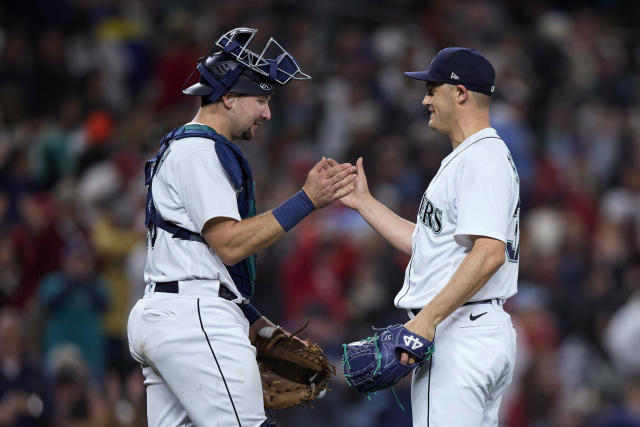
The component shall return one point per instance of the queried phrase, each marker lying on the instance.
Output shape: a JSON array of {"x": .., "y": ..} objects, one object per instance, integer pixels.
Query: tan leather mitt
[{"x": 293, "y": 372}]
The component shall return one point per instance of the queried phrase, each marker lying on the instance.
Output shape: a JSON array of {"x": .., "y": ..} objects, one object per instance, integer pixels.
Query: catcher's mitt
[
  {"x": 372, "y": 364},
  {"x": 293, "y": 371}
]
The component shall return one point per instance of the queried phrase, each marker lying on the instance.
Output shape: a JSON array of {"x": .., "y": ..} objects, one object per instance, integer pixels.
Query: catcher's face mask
[{"x": 236, "y": 69}]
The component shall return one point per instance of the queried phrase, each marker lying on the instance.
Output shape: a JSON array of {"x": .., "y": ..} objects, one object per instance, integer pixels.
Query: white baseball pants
[
  {"x": 470, "y": 369},
  {"x": 200, "y": 368}
]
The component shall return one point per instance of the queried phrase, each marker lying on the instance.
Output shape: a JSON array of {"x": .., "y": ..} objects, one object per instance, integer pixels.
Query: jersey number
[{"x": 513, "y": 246}]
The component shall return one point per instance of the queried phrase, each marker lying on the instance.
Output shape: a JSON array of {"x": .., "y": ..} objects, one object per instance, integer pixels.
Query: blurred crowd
[{"x": 87, "y": 89}]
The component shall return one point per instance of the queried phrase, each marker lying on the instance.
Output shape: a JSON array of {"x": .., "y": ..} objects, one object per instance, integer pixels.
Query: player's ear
[
  {"x": 227, "y": 100},
  {"x": 462, "y": 94}
]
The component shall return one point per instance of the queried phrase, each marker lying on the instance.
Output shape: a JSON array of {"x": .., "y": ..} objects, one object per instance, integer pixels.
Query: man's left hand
[{"x": 425, "y": 329}]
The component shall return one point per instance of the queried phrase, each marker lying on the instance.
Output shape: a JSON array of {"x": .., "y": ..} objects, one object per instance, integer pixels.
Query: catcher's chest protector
[{"x": 237, "y": 168}]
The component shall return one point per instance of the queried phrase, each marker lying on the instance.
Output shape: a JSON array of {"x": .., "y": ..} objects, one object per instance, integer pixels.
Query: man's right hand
[
  {"x": 360, "y": 193},
  {"x": 328, "y": 182}
]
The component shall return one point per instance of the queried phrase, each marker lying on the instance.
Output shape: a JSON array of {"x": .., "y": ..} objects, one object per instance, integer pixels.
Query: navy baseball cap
[{"x": 459, "y": 66}]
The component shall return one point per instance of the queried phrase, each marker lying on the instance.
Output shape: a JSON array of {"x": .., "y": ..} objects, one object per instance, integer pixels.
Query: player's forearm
[
  {"x": 393, "y": 228},
  {"x": 234, "y": 241},
  {"x": 476, "y": 269}
]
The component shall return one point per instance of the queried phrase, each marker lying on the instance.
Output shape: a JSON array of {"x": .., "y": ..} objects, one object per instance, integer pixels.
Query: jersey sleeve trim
[
  {"x": 214, "y": 216},
  {"x": 469, "y": 231}
]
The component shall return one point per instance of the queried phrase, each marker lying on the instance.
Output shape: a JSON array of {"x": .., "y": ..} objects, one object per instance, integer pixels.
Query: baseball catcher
[
  {"x": 293, "y": 371},
  {"x": 189, "y": 332},
  {"x": 373, "y": 363}
]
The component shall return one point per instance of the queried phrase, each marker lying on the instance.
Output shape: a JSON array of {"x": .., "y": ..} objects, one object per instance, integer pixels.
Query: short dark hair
[{"x": 204, "y": 100}]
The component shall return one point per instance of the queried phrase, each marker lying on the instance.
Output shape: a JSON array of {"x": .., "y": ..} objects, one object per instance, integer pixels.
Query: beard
[{"x": 248, "y": 135}]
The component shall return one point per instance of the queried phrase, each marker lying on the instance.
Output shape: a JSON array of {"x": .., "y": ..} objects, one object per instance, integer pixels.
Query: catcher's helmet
[{"x": 236, "y": 69}]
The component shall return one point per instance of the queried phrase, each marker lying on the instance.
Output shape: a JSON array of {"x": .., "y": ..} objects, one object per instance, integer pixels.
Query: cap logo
[
  {"x": 493, "y": 88},
  {"x": 265, "y": 86},
  {"x": 454, "y": 76}
]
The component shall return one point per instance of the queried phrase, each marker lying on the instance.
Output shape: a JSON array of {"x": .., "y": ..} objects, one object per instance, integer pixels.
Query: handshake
[{"x": 329, "y": 180}]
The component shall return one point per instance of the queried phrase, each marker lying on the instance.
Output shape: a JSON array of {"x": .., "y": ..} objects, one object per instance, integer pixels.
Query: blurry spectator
[
  {"x": 25, "y": 396},
  {"x": 114, "y": 237},
  {"x": 98, "y": 130},
  {"x": 622, "y": 334},
  {"x": 9, "y": 269},
  {"x": 174, "y": 63},
  {"x": 318, "y": 273},
  {"x": 15, "y": 179},
  {"x": 37, "y": 243},
  {"x": 127, "y": 402},
  {"x": 79, "y": 401},
  {"x": 54, "y": 151},
  {"x": 627, "y": 414},
  {"x": 73, "y": 301},
  {"x": 4, "y": 208}
]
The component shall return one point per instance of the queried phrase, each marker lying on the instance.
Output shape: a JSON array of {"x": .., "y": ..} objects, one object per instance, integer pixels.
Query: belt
[
  {"x": 173, "y": 288},
  {"x": 498, "y": 301}
]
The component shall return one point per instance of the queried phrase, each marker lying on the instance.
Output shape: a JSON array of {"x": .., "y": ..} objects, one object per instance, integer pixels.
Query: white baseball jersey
[
  {"x": 475, "y": 192},
  {"x": 188, "y": 161}
]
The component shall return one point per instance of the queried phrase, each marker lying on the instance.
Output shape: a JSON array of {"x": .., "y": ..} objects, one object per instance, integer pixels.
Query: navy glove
[{"x": 373, "y": 363}]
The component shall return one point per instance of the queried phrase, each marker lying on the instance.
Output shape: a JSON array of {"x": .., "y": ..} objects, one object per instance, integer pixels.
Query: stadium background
[{"x": 87, "y": 88}]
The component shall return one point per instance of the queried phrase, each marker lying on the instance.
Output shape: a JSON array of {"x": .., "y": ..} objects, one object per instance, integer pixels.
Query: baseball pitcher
[{"x": 459, "y": 342}]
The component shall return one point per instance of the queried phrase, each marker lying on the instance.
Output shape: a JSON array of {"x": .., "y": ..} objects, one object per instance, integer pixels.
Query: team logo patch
[
  {"x": 266, "y": 86},
  {"x": 409, "y": 339}
]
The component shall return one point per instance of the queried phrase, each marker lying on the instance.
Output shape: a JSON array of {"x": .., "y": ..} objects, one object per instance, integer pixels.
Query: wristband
[
  {"x": 293, "y": 210},
  {"x": 250, "y": 312}
]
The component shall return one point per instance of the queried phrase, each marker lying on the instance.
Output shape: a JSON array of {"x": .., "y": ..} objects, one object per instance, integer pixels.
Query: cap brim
[
  {"x": 422, "y": 75},
  {"x": 198, "y": 89}
]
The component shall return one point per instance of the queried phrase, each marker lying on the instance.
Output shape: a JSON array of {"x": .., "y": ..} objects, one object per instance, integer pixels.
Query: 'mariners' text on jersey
[{"x": 430, "y": 215}]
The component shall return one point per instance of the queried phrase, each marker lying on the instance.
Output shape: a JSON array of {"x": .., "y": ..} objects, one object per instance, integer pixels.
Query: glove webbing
[{"x": 345, "y": 359}]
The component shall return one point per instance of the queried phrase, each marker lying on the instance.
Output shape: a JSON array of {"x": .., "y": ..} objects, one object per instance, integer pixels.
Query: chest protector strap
[{"x": 238, "y": 169}]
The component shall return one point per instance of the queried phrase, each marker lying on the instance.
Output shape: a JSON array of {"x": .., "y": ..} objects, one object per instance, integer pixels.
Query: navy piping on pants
[
  {"x": 429, "y": 385},
  {"x": 218, "y": 364}
]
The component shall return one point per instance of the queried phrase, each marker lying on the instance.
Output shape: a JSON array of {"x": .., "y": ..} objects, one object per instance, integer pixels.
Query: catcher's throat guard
[
  {"x": 373, "y": 363},
  {"x": 237, "y": 69}
]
